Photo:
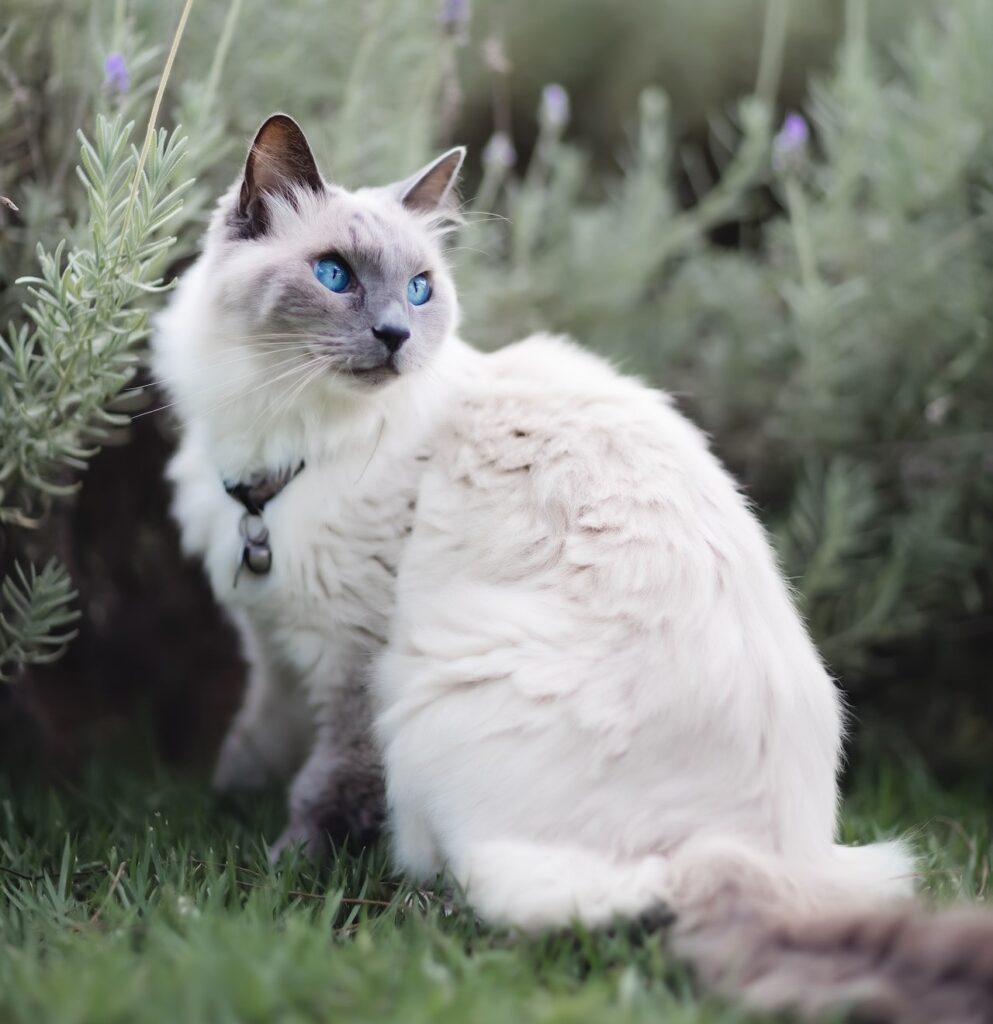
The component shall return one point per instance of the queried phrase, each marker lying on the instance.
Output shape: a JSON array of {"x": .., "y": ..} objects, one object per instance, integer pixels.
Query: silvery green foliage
[
  {"x": 850, "y": 368},
  {"x": 62, "y": 368},
  {"x": 35, "y": 613},
  {"x": 589, "y": 260}
]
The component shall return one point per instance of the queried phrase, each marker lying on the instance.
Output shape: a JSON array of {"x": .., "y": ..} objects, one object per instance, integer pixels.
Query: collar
[
  {"x": 261, "y": 487},
  {"x": 253, "y": 495}
]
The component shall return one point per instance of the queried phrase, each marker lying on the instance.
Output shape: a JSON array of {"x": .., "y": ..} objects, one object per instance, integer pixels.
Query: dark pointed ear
[
  {"x": 432, "y": 188},
  {"x": 279, "y": 161}
]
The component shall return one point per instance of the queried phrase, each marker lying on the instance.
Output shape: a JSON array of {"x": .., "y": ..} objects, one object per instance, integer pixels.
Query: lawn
[{"x": 135, "y": 896}]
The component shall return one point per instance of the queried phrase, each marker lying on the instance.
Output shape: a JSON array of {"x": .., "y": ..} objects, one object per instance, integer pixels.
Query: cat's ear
[
  {"x": 433, "y": 188},
  {"x": 279, "y": 161}
]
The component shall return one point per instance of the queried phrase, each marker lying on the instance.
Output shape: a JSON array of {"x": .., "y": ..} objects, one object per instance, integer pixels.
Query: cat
[{"x": 524, "y": 584}]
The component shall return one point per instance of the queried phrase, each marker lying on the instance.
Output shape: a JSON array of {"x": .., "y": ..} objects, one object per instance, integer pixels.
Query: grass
[{"x": 137, "y": 898}]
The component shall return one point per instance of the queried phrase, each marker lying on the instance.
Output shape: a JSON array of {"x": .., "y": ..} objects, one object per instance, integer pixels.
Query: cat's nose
[{"x": 391, "y": 335}]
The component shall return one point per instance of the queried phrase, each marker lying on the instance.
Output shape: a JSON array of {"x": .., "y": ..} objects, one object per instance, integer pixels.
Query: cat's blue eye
[
  {"x": 333, "y": 274},
  {"x": 418, "y": 290}
]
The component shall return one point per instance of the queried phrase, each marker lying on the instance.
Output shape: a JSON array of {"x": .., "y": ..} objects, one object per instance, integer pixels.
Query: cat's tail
[{"x": 813, "y": 940}]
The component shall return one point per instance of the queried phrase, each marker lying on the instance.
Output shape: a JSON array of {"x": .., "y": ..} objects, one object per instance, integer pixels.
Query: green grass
[{"x": 140, "y": 899}]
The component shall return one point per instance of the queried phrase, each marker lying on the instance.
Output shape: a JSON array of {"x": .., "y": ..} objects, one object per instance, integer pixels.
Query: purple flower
[
  {"x": 454, "y": 17},
  {"x": 115, "y": 72},
  {"x": 499, "y": 151},
  {"x": 554, "y": 106},
  {"x": 789, "y": 147},
  {"x": 936, "y": 411},
  {"x": 455, "y": 12}
]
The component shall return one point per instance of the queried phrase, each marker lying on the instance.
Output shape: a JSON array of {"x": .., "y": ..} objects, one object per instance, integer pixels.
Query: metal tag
[{"x": 256, "y": 554}]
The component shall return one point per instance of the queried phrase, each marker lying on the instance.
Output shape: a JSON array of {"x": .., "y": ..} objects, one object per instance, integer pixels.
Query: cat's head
[{"x": 351, "y": 286}]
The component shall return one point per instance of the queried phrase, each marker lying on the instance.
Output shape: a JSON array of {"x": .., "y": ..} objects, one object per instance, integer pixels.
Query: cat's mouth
[{"x": 374, "y": 376}]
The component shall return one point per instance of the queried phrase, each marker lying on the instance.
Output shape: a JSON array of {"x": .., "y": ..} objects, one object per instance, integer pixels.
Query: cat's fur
[{"x": 590, "y": 688}]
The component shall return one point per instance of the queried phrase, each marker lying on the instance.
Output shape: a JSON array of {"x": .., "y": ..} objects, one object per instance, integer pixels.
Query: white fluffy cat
[{"x": 590, "y": 690}]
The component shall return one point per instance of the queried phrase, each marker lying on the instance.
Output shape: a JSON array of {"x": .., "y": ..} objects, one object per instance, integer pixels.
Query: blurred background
[{"x": 779, "y": 210}]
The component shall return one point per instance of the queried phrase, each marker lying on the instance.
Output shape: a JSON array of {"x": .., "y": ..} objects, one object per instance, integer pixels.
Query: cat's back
[
  {"x": 548, "y": 398},
  {"x": 550, "y": 449},
  {"x": 576, "y": 538}
]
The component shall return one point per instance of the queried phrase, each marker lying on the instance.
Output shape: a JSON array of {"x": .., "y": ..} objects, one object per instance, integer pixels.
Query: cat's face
[{"x": 347, "y": 287}]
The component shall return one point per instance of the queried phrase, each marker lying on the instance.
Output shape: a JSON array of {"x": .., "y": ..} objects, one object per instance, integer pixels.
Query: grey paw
[
  {"x": 657, "y": 918},
  {"x": 317, "y": 831},
  {"x": 308, "y": 837},
  {"x": 241, "y": 766}
]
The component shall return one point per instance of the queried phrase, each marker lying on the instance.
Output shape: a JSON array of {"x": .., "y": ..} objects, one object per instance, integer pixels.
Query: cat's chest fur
[{"x": 336, "y": 532}]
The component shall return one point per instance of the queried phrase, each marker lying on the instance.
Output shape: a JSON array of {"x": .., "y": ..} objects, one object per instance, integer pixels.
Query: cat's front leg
[
  {"x": 272, "y": 731},
  {"x": 339, "y": 791},
  {"x": 266, "y": 741}
]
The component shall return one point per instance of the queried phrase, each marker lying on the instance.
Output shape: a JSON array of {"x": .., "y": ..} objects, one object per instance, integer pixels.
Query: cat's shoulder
[
  {"x": 547, "y": 401},
  {"x": 550, "y": 379},
  {"x": 556, "y": 363}
]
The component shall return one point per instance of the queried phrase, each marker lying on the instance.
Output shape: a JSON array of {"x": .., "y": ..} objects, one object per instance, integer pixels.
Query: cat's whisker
[
  {"x": 294, "y": 388},
  {"x": 235, "y": 349},
  {"x": 321, "y": 367},
  {"x": 227, "y": 358},
  {"x": 471, "y": 217},
  {"x": 465, "y": 248},
  {"x": 268, "y": 382},
  {"x": 233, "y": 385}
]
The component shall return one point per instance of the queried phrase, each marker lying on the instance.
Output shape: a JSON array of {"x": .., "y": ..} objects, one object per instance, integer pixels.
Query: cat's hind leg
[
  {"x": 413, "y": 843},
  {"x": 536, "y": 885}
]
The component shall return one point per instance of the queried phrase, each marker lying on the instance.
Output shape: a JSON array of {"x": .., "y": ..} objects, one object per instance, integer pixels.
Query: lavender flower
[
  {"x": 499, "y": 151},
  {"x": 936, "y": 411},
  {"x": 554, "y": 110},
  {"x": 115, "y": 71},
  {"x": 789, "y": 147},
  {"x": 455, "y": 12}
]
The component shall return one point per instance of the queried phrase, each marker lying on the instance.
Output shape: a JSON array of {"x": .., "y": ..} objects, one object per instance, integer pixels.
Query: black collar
[
  {"x": 253, "y": 495},
  {"x": 260, "y": 488}
]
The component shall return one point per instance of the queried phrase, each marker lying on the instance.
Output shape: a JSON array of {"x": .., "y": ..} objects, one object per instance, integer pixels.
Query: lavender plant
[{"x": 62, "y": 368}]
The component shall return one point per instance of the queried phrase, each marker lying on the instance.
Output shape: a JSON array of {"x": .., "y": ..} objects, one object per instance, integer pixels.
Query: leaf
[{"x": 35, "y": 609}]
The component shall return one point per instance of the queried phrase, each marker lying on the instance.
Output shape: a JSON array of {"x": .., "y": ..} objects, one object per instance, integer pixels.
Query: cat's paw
[
  {"x": 307, "y": 836},
  {"x": 318, "y": 832},
  {"x": 659, "y": 917},
  {"x": 319, "y": 827},
  {"x": 241, "y": 765}
]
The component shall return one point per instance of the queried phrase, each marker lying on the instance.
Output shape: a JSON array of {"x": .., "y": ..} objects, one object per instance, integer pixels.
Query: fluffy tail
[{"x": 825, "y": 940}]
